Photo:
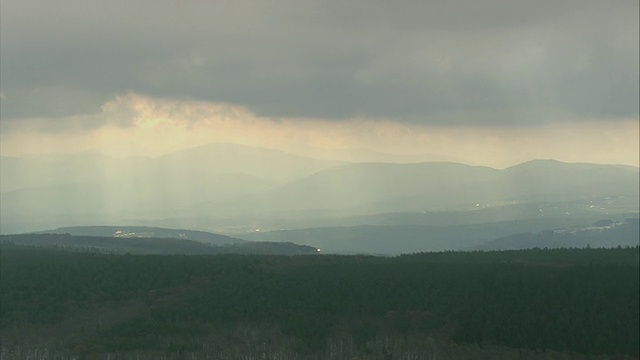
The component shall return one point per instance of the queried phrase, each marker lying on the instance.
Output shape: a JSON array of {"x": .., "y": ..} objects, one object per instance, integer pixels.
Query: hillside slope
[
  {"x": 605, "y": 233},
  {"x": 151, "y": 245}
]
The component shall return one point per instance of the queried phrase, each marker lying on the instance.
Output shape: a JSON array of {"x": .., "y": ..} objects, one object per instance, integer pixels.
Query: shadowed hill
[
  {"x": 145, "y": 232},
  {"x": 603, "y": 233},
  {"x": 151, "y": 245}
]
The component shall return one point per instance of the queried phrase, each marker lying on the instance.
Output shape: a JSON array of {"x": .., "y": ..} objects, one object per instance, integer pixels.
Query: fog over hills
[
  {"x": 225, "y": 158},
  {"x": 205, "y": 162},
  {"x": 241, "y": 190},
  {"x": 443, "y": 185},
  {"x": 60, "y": 169},
  {"x": 556, "y": 180},
  {"x": 373, "y": 188}
]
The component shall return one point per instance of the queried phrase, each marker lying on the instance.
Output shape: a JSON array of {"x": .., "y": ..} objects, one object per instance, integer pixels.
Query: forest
[{"x": 525, "y": 304}]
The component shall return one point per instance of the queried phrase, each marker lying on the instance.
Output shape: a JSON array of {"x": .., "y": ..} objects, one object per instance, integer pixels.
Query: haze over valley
[{"x": 343, "y": 207}]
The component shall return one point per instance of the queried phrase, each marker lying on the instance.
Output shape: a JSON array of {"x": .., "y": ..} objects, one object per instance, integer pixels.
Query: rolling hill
[
  {"x": 602, "y": 234},
  {"x": 145, "y": 232},
  {"x": 505, "y": 235},
  {"x": 153, "y": 245}
]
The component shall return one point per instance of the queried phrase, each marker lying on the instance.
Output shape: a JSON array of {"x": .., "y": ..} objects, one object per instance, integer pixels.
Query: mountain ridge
[{"x": 172, "y": 191}]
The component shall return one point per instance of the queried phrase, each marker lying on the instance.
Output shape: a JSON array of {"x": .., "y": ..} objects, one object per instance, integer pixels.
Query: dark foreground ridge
[{"x": 533, "y": 304}]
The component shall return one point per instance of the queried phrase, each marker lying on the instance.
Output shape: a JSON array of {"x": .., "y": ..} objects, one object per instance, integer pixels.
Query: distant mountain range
[
  {"x": 448, "y": 186},
  {"x": 247, "y": 192},
  {"x": 207, "y": 161}
]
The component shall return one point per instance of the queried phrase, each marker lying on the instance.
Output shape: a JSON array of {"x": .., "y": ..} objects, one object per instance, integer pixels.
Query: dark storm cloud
[{"x": 464, "y": 62}]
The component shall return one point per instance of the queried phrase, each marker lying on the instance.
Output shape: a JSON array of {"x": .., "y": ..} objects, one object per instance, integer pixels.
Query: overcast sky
[{"x": 404, "y": 76}]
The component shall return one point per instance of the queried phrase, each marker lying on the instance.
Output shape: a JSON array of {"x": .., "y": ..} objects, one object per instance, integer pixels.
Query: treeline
[{"x": 568, "y": 300}]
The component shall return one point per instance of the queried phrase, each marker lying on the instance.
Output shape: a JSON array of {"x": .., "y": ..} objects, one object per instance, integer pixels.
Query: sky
[{"x": 493, "y": 82}]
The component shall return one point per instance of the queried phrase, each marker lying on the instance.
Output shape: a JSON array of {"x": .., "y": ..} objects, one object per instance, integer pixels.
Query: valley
[{"x": 267, "y": 195}]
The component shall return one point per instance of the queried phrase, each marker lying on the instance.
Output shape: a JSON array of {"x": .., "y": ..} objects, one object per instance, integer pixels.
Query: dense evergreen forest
[{"x": 560, "y": 303}]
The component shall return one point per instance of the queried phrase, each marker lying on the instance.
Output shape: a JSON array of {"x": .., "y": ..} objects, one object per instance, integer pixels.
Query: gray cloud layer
[{"x": 449, "y": 62}]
